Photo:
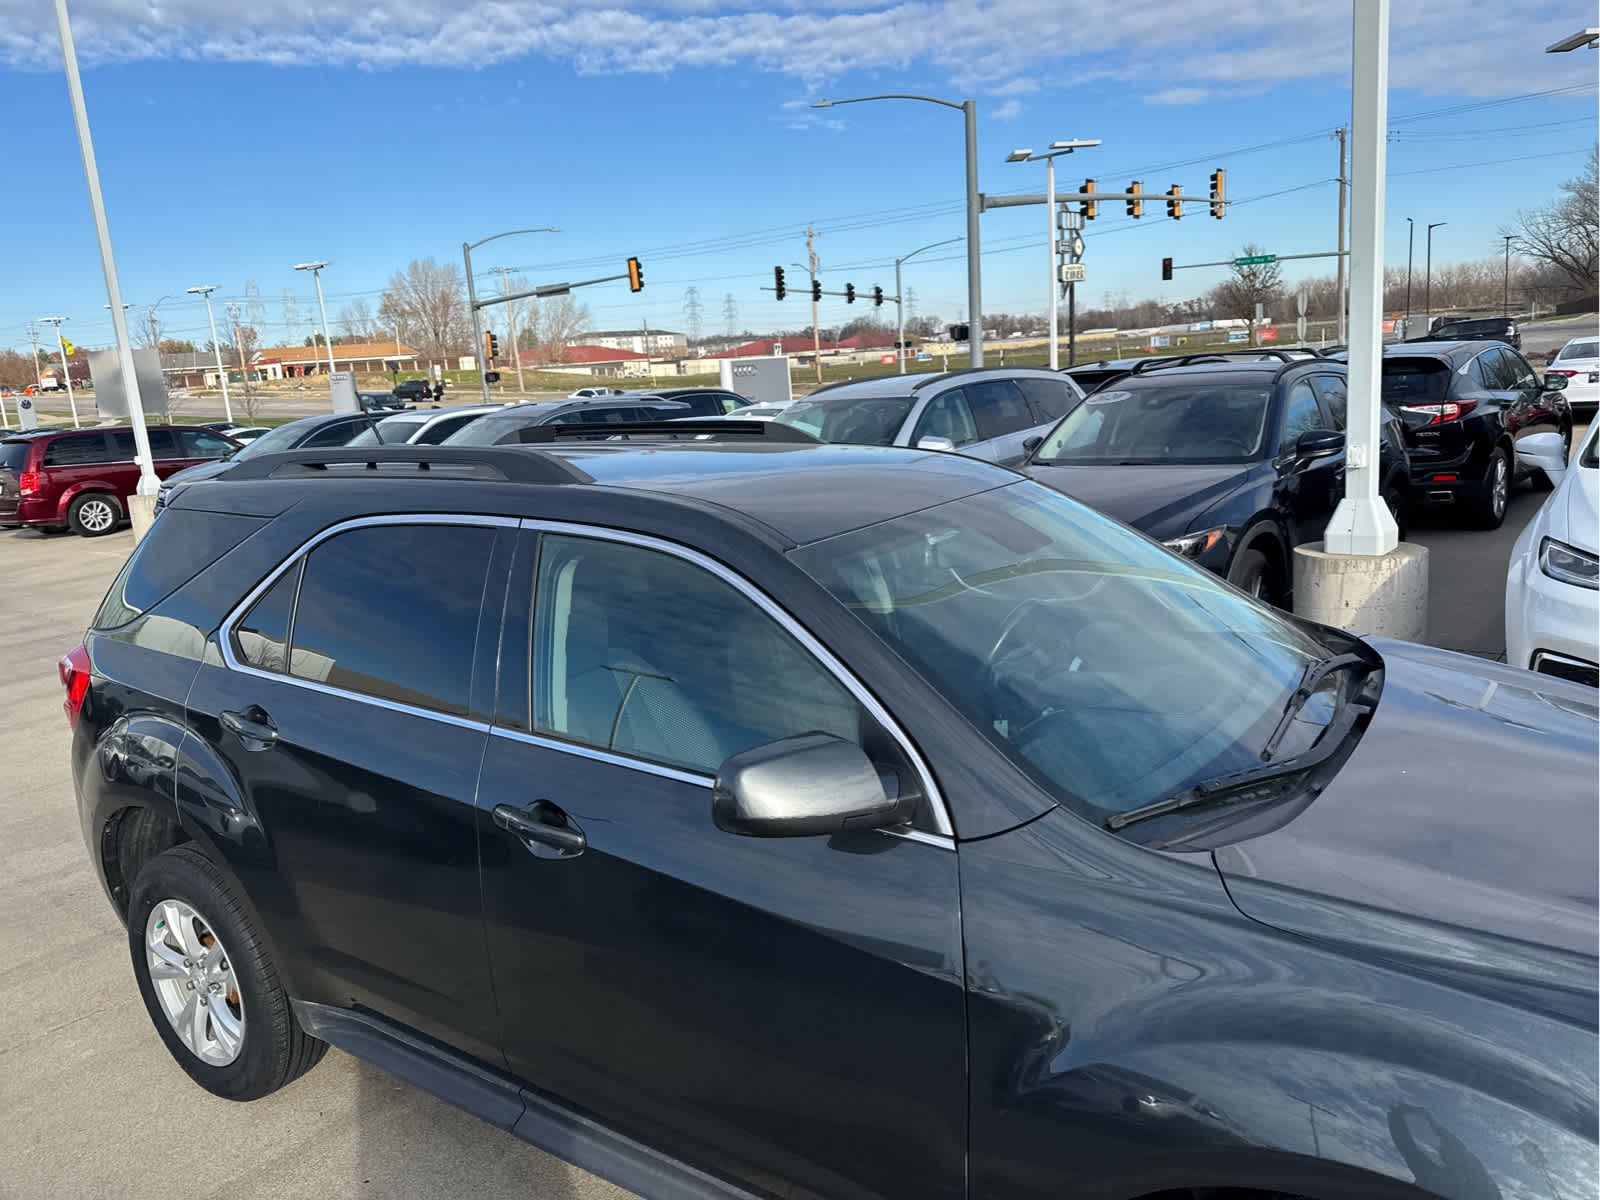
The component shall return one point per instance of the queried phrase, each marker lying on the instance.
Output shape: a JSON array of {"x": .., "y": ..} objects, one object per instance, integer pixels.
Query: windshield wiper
[
  {"x": 1265, "y": 782},
  {"x": 1313, "y": 675}
]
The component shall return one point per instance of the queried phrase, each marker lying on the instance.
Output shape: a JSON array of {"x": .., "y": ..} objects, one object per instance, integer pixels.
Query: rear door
[
  {"x": 1004, "y": 420},
  {"x": 76, "y": 461},
  {"x": 343, "y": 706},
  {"x": 13, "y": 458},
  {"x": 784, "y": 1012}
]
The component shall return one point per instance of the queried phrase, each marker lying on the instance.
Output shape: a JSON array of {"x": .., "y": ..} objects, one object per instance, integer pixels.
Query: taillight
[
  {"x": 1438, "y": 414},
  {"x": 74, "y": 671},
  {"x": 28, "y": 483},
  {"x": 1561, "y": 371}
]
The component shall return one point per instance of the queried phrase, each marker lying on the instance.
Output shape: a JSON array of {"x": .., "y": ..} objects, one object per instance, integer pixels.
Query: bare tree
[
  {"x": 355, "y": 320},
  {"x": 560, "y": 320},
  {"x": 1565, "y": 234},
  {"x": 1252, "y": 284},
  {"x": 248, "y": 343},
  {"x": 427, "y": 297}
]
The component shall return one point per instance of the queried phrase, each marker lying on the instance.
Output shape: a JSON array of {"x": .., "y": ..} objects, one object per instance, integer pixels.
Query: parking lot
[{"x": 88, "y": 1087}]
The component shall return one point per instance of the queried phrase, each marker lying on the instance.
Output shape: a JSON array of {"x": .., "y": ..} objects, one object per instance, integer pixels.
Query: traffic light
[
  {"x": 958, "y": 333},
  {"x": 491, "y": 345},
  {"x": 1174, "y": 205},
  {"x": 1089, "y": 206},
  {"x": 777, "y": 283},
  {"x": 1219, "y": 191},
  {"x": 635, "y": 275},
  {"x": 877, "y": 297},
  {"x": 1166, "y": 268},
  {"x": 816, "y": 289},
  {"x": 849, "y": 293},
  {"x": 1135, "y": 203}
]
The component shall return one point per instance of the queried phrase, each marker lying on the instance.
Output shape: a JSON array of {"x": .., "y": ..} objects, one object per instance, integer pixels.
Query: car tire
[
  {"x": 1394, "y": 499},
  {"x": 1493, "y": 496},
  {"x": 208, "y": 981},
  {"x": 1539, "y": 479},
  {"x": 93, "y": 514},
  {"x": 1252, "y": 573}
]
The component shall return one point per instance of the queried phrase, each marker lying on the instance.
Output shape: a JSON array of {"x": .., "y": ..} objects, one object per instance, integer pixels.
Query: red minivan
[{"x": 80, "y": 479}]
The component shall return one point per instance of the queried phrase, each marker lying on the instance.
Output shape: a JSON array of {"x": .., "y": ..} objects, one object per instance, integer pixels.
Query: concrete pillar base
[
  {"x": 142, "y": 512},
  {"x": 1385, "y": 594}
]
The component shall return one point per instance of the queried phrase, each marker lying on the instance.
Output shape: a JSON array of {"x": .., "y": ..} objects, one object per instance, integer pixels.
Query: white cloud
[
  {"x": 1009, "y": 111},
  {"x": 1448, "y": 46}
]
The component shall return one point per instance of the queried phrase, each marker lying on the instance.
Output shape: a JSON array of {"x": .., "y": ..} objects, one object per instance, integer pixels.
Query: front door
[
  {"x": 1310, "y": 488},
  {"x": 786, "y": 1013},
  {"x": 343, "y": 708}
]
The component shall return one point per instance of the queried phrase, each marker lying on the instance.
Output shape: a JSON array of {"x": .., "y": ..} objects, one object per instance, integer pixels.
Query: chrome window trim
[
  {"x": 941, "y": 817},
  {"x": 225, "y": 630}
]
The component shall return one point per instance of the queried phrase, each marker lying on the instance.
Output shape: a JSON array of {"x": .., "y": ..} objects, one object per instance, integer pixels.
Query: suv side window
[
  {"x": 202, "y": 443},
  {"x": 1052, "y": 399},
  {"x": 947, "y": 416},
  {"x": 1518, "y": 370},
  {"x": 392, "y": 611},
  {"x": 1494, "y": 372},
  {"x": 1300, "y": 415},
  {"x": 998, "y": 408},
  {"x": 75, "y": 449},
  {"x": 261, "y": 636},
  {"x": 1335, "y": 398},
  {"x": 337, "y": 434},
  {"x": 638, "y": 652},
  {"x": 163, "y": 444}
]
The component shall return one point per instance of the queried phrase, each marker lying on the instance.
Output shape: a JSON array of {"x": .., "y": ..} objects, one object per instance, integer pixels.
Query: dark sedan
[
  {"x": 308, "y": 433},
  {"x": 1232, "y": 464},
  {"x": 509, "y": 425}
]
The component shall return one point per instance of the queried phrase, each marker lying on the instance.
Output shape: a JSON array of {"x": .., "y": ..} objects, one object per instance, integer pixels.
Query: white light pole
[
  {"x": 66, "y": 370},
  {"x": 1575, "y": 41},
  {"x": 969, "y": 110},
  {"x": 216, "y": 347},
  {"x": 1056, "y": 150},
  {"x": 144, "y": 511},
  {"x": 899, "y": 302},
  {"x": 316, "y": 273},
  {"x": 472, "y": 300}
]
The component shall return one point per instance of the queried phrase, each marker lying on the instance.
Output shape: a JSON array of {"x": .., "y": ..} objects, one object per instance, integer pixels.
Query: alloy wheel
[
  {"x": 193, "y": 978},
  {"x": 1500, "y": 486},
  {"x": 96, "y": 516}
]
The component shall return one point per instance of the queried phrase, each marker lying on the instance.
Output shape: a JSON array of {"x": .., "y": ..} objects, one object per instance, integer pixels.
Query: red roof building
[{"x": 583, "y": 356}]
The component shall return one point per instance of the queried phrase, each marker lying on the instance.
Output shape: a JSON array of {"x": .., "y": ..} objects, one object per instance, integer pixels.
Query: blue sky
[{"x": 233, "y": 145}]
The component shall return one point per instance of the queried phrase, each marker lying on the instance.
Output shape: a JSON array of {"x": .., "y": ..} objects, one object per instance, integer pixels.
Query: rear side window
[
  {"x": 202, "y": 443},
  {"x": 1497, "y": 374},
  {"x": 998, "y": 408},
  {"x": 76, "y": 448},
  {"x": 163, "y": 444},
  {"x": 262, "y": 636},
  {"x": 392, "y": 611},
  {"x": 1051, "y": 399},
  {"x": 178, "y": 547}
]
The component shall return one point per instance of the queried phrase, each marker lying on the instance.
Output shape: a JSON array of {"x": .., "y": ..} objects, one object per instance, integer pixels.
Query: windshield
[
  {"x": 492, "y": 429},
  {"x": 853, "y": 420},
  {"x": 1581, "y": 350},
  {"x": 271, "y": 442},
  {"x": 389, "y": 431},
  {"x": 1170, "y": 421},
  {"x": 1110, "y": 670}
]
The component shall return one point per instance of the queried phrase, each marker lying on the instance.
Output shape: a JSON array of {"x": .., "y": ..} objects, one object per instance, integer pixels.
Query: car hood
[
  {"x": 1461, "y": 829},
  {"x": 1161, "y": 501},
  {"x": 1579, "y": 515},
  {"x": 195, "y": 474}
]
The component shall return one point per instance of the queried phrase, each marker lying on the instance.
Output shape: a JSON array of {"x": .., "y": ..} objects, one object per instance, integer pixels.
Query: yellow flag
[{"x": 68, "y": 347}]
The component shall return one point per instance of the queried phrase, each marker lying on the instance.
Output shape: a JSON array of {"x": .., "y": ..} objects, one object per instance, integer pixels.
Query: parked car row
[{"x": 736, "y": 815}]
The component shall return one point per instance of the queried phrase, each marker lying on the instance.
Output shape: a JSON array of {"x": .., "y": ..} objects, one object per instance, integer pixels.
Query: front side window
[
  {"x": 163, "y": 444},
  {"x": 1335, "y": 399},
  {"x": 337, "y": 434},
  {"x": 1300, "y": 415},
  {"x": 1162, "y": 421},
  {"x": 947, "y": 416},
  {"x": 202, "y": 443},
  {"x": 638, "y": 652},
  {"x": 1052, "y": 399},
  {"x": 389, "y": 611},
  {"x": 998, "y": 408},
  {"x": 1112, "y": 671}
]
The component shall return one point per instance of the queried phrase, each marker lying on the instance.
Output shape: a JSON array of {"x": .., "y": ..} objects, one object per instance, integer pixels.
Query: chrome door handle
[
  {"x": 543, "y": 823},
  {"x": 253, "y": 727}
]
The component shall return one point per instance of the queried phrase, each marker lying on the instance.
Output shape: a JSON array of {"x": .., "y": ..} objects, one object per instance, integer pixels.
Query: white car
[
  {"x": 594, "y": 393},
  {"x": 1552, "y": 605},
  {"x": 1579, "y": 361}
]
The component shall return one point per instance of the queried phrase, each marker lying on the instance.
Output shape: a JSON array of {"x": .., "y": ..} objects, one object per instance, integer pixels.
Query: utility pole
[
  {"x": 155, "y": 333},
  {"x": 66, "y": 369},
  {"x": 1428, "y": 274},
  {"x": 511, "y": 315},
  {"x": 1411, "y": 238},
  {"x": 1505, "y": 295},
  {"x": 1342, "y": 133},
  {"x": 816, "y": 332},
  {"x": 33, "y": 336},
  {"x": 216, "y": 347}
]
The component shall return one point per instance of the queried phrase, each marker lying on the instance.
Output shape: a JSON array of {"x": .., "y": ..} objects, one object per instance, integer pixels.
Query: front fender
[{"x": 1131, "y": 1032}]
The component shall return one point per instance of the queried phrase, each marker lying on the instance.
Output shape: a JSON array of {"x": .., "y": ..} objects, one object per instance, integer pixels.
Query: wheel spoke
[
  {"x": 225, "y": 1027},
  {"x": 197, "y": 1024},
  {"x": 170, "y": 964},
  {"x": 184, "y": 1021},
  {"x": 181, "y": 926}
]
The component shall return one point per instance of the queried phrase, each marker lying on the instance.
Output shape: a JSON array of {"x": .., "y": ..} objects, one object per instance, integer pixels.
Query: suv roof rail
[
  {"x": 1254, "y": 353},
  {"x": 771, "y": 431},
  {"x": 451, "y": 462}
]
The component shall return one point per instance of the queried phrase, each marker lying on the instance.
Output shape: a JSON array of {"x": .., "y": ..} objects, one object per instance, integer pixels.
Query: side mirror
[
  {"x": 1545, "y": 451},
  {"x": 801, "y": 786},
  {"x": 942, "y": 444},
  {"x": 1554, "y": 381},
  {"x": 1030, "y": 444},
  {"x": 1319, "y": 443}
]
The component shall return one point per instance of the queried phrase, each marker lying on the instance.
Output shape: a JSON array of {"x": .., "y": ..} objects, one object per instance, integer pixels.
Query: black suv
[
  {"x": 413, "y": 391},
  {"x": 1466, "y": 405},
  {"x": 1474, "y": 329},
  {"x": 758, "y": 818},
  {"x": 701, "y": 401},
  {"x": 1229, "y": 461}
]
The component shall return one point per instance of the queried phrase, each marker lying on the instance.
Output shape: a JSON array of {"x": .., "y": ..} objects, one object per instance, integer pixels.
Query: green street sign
[{"x": 1255, "y": 260}]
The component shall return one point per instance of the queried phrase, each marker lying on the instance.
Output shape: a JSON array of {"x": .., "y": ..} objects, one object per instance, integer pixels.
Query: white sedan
[
  {"x": 1579, "y": 361},
  {"x": 1552, "y": 605}
]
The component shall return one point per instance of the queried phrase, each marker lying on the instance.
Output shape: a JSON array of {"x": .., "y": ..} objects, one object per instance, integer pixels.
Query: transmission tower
[
  {"x": 730, "y": 315},
  {"x": 911, "y": 304},
  {"x": 692, "y": 314},
  {"x": 255, "y": 313},
  {"x": 291, "y": 312}
]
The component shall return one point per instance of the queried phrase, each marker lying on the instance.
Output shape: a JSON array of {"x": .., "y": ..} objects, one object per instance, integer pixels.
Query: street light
[
  {"x": 1575, "y": 41},
  {"x": 899, "y": 301},
  {"x": 974, "y": 284},
  {"x": 1505, "y": 294},
  {"x": 472, "y": 297},
  {"x": 216, "y": 347},
  {"x": 66, "y": 370},
  {"x": 1411, "y": 238},
  {"x": 316, "y": 273},
  {"x": 1428, "y": 293},
  {"x": 1056, "y": 150}
]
